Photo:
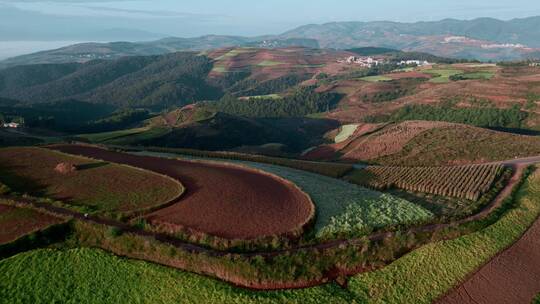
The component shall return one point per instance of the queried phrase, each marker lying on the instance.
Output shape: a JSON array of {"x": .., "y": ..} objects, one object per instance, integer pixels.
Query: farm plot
[
  {"x": 442, "y": 75},
  {"x": 17, "y": 222},
  {"x": 468, "y": 182},
  {"x": 343, "y": 209},
  {"x": 376, "y": 78},
  {"x": 221, "y": 200},
  {"x": 86, "y": 185},
  {"x": 389, "y": 140}
]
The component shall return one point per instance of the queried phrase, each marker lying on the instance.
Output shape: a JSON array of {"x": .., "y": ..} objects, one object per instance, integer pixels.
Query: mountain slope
[{"x": 178, "y": 78}]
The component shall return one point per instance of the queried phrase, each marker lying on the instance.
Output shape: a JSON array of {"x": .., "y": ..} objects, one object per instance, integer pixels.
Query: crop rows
[{"x": 468, "y": 182}]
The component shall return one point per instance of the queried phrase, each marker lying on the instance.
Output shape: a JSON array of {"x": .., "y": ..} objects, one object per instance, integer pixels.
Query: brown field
[
  {"x": 329, "y": 152},
  {"x": 17, "y": 222},
  {"x": 387, "y": 141},
  {"x": 94, "y": 186},
  {"x": 461, "y": 144},
  {"x": 221, "y": 200}
]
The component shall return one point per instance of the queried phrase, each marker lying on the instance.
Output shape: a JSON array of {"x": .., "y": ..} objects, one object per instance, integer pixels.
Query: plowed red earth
[
  {"x": 220, "y": 200},
  {"x": 511, "y": 277},
  {"x": 17, "y": 222}
]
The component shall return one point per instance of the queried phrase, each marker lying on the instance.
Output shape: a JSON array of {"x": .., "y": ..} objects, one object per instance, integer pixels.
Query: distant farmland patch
[
  {"x": 269, "y": 63},
  {"x": 442, "y": 75},
  {"x": 93, "y": 186},
  {"x": 376, "y": 78}
]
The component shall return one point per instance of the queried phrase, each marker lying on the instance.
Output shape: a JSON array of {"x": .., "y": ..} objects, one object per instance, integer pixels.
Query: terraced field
[{"x": 91, "y": 186}]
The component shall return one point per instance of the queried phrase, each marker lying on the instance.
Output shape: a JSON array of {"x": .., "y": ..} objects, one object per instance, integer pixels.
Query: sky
[{"x": 55, "y": 21}]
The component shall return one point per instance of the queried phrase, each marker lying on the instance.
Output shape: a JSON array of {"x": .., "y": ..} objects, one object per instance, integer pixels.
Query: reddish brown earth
[
  {"x": 222, "y": 200},
  {"x": 513, "y": 276},
  {"x": 17, "y": 222}
]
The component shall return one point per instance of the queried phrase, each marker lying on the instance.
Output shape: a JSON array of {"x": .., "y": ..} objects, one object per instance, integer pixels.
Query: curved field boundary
[
  {"x": 227, "y": 201},
  {"x": 50, "y": 158},
  {"x": 223, "y": 274}
]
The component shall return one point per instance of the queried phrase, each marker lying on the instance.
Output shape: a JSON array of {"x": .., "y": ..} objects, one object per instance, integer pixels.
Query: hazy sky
[{"x": 69, "y": 20}]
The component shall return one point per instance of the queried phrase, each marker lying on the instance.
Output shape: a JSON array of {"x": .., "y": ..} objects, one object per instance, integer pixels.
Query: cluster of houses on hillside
[
  {"x": 534, "y": 64},
  {"x": 13, "y": 125},
  {"x": 414, "y": 62},
  {"x": 367, "y": 62}
]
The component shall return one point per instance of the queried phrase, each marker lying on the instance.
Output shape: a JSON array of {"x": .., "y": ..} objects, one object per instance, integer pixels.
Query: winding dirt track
[{"x": 221, "y": 200}]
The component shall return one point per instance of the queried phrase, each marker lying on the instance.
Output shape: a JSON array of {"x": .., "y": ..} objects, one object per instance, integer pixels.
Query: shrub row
[{"x": 468, "y": 182}]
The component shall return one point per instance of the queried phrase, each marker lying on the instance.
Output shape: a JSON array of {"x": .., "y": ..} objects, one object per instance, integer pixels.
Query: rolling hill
[{"x": 482, "y": 38}]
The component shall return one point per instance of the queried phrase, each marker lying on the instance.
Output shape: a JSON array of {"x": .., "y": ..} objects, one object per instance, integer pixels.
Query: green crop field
[
  {"x": 93, "y": 187},
  {"x": 442, "y": 75},
  {"x": 343, "y": 208},
  {"x": 375, "y": 78},
  {"x": 269, "y": 63},
  {"x": 93, "y": 276}
]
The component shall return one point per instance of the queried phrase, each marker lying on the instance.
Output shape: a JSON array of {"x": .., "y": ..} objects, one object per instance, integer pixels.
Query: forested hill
[{"x": 150, "y": 81}]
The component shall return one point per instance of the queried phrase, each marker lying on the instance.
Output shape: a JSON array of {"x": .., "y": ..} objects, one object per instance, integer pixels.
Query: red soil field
[
  {"x": 17, "y": 222},
  {"x": 511, "y": 277},
  {"x": 222, "y": 200}
]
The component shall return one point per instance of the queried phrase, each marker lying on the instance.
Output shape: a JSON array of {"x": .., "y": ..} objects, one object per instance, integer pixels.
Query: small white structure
[
  {"x": 415, "y": 62},
  {"x": 361, "y": 61},
  {"x": 534, "y": 64},
  {"x": 11, "y": 125}
]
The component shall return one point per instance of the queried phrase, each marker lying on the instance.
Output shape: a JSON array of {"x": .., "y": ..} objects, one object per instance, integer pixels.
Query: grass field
[
  {"x": 345, "y": 132},
  {"x": 269, "y": 63},
  {"x": 462, "y": 145},
  {"x": 442, "y": 75},
  {"x": 93, "y": 276},
  {"x": 93, "y": 187},
  {"x": 17, "y": 222},
  {"x": 343, "y": 208},
  {"x": 375, "y": 78}
]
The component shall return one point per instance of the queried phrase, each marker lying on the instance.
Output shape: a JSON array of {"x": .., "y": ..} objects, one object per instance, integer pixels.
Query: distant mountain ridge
[{"x": 482, "y": 38}]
